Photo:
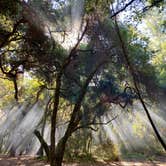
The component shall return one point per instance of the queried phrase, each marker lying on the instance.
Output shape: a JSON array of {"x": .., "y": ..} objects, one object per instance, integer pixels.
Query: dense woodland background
[{"x": 82, "y": 79}]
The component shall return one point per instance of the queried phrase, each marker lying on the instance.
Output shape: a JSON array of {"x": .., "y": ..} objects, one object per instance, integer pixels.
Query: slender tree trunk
[
  {"x": 151, "y": 121},
  {"x": 15, "y": 87},
  {"x": 131, "y": 70},
  {"x": 43, "y": 127},
  {"x": 53, "y": 120},
  {"x": 43, "y": 143}
]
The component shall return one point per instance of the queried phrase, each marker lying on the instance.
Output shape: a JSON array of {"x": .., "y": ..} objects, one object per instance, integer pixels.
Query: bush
[{"x": 107, "y": 151}]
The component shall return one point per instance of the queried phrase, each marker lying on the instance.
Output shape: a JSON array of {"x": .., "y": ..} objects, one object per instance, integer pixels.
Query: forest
[{"x": 82, "y": 82}]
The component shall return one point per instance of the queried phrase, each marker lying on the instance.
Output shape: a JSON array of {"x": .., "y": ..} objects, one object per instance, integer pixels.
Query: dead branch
[{"x": 92, "y": 123}]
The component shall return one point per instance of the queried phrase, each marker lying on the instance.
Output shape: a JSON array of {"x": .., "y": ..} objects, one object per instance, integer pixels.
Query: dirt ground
[{"x": 31, "y": 161}]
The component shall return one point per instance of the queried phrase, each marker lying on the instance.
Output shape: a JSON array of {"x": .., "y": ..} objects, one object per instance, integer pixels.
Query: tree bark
[
  {"x": 60, "y": 150},
  {"x": 43, "y": 126},
  {"x": 43, "y": 143},
  {"x": 53, "y": 120}
]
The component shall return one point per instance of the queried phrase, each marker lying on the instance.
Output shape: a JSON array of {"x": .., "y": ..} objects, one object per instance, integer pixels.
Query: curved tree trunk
[
  {"x": 43, "y": 126},
  {"x": 43, "y": 143}
]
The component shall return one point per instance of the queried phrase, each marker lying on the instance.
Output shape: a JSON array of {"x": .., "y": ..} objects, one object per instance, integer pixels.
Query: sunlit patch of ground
[
  {"x": 31, "y": 161},
  {"x": 21, "y": 161},
  {"x": 160, "y": 162}
]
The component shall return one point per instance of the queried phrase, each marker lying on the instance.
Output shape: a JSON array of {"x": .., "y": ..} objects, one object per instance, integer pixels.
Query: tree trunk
[
  {"x": 74, "y": 120},
  {"x": 43, "y": 143},
  {"x": 60, "y": 150},
  {"x": 53, "y": 120},
  {"x": 151, "y": 122},
  {"x": 131, "y": 70},
  {"x": 43, "y": 126}
]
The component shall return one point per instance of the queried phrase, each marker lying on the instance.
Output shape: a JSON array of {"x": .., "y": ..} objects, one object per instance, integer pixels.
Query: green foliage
[
  {"x": 76, "y": 149},
  {"x": 79, "y": 144},
  {"x": 156, "y": 3},
  {"x": 9, "y": 8},
  {"x": 6, "y": 92},
  {"x": 31, "y": 85},
  {"x": 107, "y": 151},
  {"x": 102, "y": 6},
  {"x": 154, "y": 29}
]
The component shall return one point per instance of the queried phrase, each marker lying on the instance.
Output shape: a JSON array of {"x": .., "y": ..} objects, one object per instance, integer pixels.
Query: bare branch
[
  {"x": 122, "y": 9},
  {"x": 155, "y": 3},
  {"x": 74, "y": 49},
  {"x": 88, "y": 125}
]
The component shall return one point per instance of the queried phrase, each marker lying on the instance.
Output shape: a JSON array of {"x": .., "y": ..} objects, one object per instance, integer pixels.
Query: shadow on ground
[{"x": 31, "y": 161}]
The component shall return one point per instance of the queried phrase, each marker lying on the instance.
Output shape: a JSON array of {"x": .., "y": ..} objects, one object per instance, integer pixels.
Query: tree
[
  {"x": 94, "y": 70},
  {"x": 156, "y": 44}
]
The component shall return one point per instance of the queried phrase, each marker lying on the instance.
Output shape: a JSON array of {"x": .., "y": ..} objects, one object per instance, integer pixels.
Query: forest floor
[{"x": 31, "y": 161}]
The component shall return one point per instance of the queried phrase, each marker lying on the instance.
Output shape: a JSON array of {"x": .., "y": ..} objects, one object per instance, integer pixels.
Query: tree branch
[
  {"x": 122, "y": 9},
  {"x": 92, "y": 123},
  {"x": 43, "y": 143}
]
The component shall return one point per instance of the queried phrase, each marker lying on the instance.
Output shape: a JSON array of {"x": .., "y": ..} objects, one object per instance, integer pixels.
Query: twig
[
  {"x": 122, "y": 9},
  {"x": 92, "y": 123}
]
